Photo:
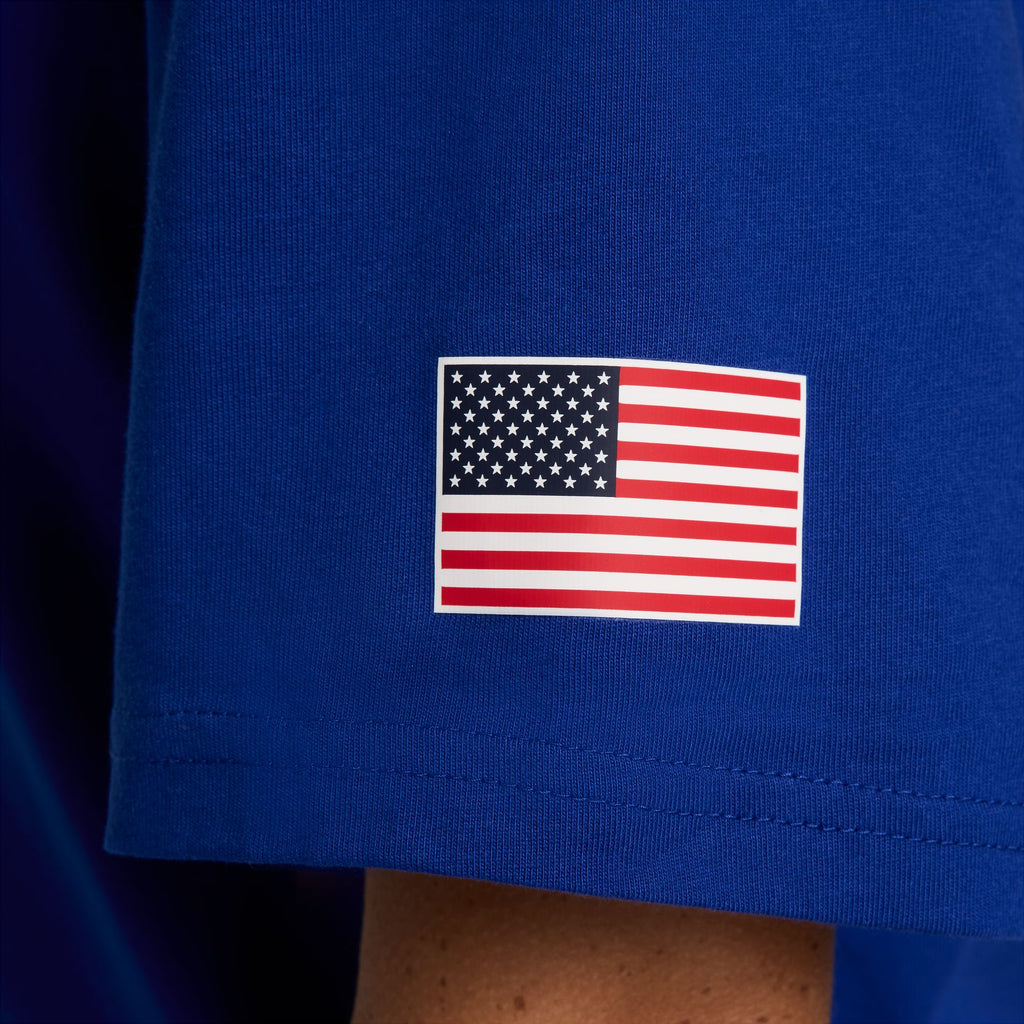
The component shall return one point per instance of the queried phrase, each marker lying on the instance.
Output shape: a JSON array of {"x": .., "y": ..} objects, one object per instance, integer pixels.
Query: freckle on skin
[
  {"x": 762, "y": 1020},
  {"x": 443, "y": 945},
  {"x": 520, "y": 1003},
  {"x": 622, "y": 967},
  {"x": 705, "y": 990},
  {"x": 408, "y": 968},
  {"x": 658, "y": 952},
  {"x": 444, "y": 981},
  {"x": 803, "y": 988},
  {"x": 814, "y": 945}
]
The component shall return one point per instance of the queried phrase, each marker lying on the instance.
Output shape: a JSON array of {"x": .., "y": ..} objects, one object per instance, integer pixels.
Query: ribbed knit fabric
[{"x": 339, "y": 195}]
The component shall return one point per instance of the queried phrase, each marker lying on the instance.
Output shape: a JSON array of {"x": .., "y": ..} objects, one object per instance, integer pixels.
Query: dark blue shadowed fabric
[{"x": 338, "y": 196}]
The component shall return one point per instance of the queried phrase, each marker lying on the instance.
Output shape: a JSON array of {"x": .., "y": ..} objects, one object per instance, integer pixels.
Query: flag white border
[{"x": 445, "y": 361}]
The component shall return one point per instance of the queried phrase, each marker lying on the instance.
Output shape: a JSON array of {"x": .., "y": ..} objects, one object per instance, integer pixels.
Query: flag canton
[{"x": 529, "y": 428}]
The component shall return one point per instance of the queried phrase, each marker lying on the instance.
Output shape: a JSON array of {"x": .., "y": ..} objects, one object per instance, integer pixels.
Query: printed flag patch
[{"x": 634, "y": 490}]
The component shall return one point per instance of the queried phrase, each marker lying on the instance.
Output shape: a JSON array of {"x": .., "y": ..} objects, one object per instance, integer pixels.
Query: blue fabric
[
  {"x": 339, "y": 196},
  {"x": 906, "y": 978}
]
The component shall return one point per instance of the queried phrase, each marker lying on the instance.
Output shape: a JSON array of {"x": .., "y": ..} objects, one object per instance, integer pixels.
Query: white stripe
[
  {"x": 533, "y": 504},
  {"x": 684, "y": 472},
  {"x": 632, "y": 582},
  {"x": 617, "y": 544},
  {"x": 679, "y": 398},
  {"x": 745, "y": 440}
]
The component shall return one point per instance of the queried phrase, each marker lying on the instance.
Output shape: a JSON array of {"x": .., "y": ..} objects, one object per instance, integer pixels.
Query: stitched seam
[
  {"x": 675, "y": 812},
  {"x": 551, "y": 744}
]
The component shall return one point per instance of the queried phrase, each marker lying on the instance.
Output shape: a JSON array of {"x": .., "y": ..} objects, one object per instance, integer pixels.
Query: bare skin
[{"x": 441, "y": 950}]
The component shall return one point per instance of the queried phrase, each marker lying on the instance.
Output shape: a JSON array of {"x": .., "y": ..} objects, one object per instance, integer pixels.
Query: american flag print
[{"x": 631, "y": 489}]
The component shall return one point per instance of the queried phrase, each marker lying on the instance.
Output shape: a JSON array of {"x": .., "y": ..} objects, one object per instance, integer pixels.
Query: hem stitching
[
  {"x": 551, "y": 744},
  {"x": 677, "y": 812}
]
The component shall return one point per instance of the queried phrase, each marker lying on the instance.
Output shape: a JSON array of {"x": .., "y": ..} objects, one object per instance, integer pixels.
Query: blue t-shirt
[{"x": 772, "y": 661}]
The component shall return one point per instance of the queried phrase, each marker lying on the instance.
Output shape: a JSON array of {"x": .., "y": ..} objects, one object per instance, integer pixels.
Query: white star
[
  {"x": 543, "y": 378},
  {"x": 588, "y": 391},
  {"x": 483, "y": 428},
  {"x": 571, "y": 431},
  {"x": 500, "y": 390},
  {"x": 470, "y": 416},
  {"x": 601, "y": 431},
  {"x": 586, "y": 442},
  {"x": 456, "y": 377},
  {"x": 528, "y": 390},
  {"x": 469, "y": 442},
  {"x": 511, "y": 454},
  {"x": 539, "y": 481},
  {"x": 601, "y": 456},
  {"x": 497, "y": 442},
  {"x": 498, "y": 416},
  {"x": 585, "y": 469},
  {"x": 482, "y": 454},
  {"x": 527, "y": 417},
  {"x": 513, "y": 403},
  {"x": 481, "y": 480},
  {"x": 557, "y": 417},
  {"x": 603, "y": 404},
  {"x": 573, "y": 377},
  {"x": 456, "y": 429},
  {"x": 541, "y": 429},
  {"x": 556, "y": 442},
  {"x": 467, "y": 467},
  {"x": 496, "y": 467},
  {"x": 485, "y": 377},
  {"x": 456, "y": 453},
  {"x": 542, "y": 404},
  {"x": 525, "y": 468},
  {"x": 527, "y": 442},
  {"x": 455, "y": 481},
  {"x": 514, "y": 377},
  {"x": 540, "y": 456},
  {"x": 471, "y": 390},
  {"x": 587, "y": 417},
  {"x": 570, "y": 482},
  {"x": 603, "y": 378},
  {"x": 558, "y": 391},
  {"x": 510, "y": 481},
  {"x": 570, "y": 456},
  {"x": 456, "y": 402},
  {"x": 555, "y": 468},
  {"x": 484, "y": 402},
  {"x": 600, "y": 482},
  {"x": 573, "y": 403},
  {"x": 512, "y": 429}
]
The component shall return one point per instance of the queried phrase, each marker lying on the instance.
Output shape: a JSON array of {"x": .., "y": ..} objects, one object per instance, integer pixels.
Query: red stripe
[
  {"x": 672, "y": 491},
  {"x": 589, "y": 561},
  {"x": 695, "y": 380},
  {"x": 698, "y": 455},
  {"x": 627, "y": 526},
  {"x": 612, "y": 600},
  {"x": 713, "y": 418}
]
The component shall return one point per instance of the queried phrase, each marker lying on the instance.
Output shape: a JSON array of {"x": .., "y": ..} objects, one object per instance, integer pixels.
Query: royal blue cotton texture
[{"x": 339, "y": 195}]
